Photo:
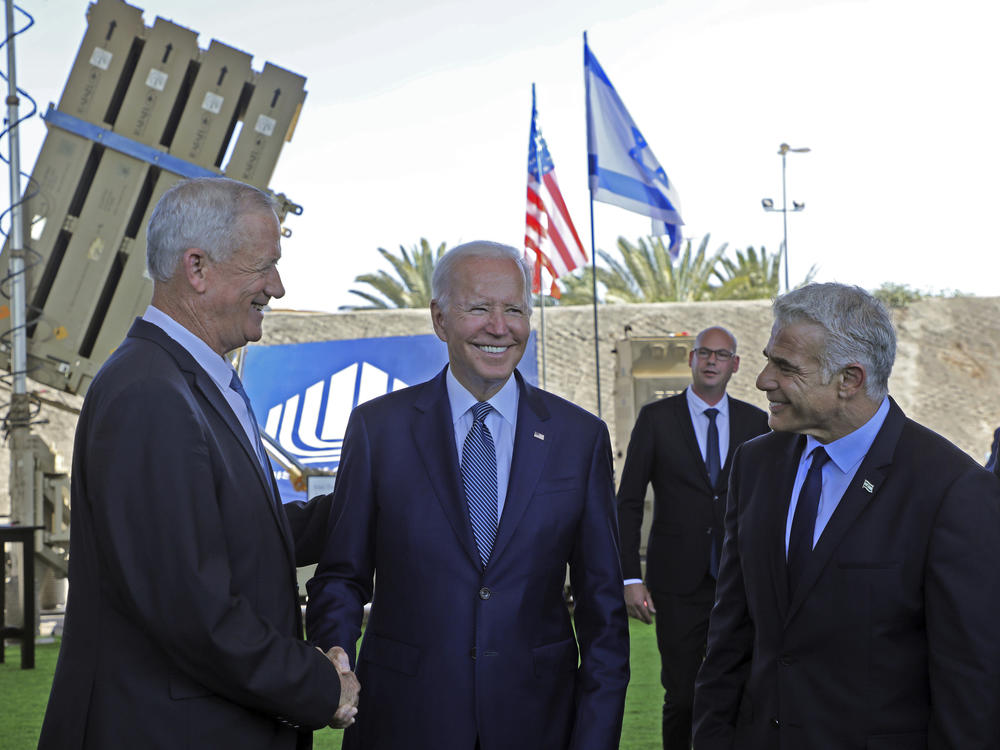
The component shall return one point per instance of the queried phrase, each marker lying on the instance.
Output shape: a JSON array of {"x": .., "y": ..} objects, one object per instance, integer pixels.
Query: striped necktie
[{"x": 479, "y": 474}]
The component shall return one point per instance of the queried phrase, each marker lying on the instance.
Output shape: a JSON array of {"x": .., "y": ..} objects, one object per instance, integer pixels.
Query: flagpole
[
  {"x": 593, "y": 249},
  {"x": 538, "y": 259}
]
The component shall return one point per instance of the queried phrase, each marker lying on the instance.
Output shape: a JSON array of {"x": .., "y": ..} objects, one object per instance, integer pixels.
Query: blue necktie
[
  {"x": 712, "y": 465},
  {"x": 237, "y": 386},
  {"x": 800, "y": 540},
  {"x": 479, "y": 474}
]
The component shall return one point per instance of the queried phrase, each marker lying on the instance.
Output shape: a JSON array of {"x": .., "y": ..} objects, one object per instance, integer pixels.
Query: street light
[{"x": 768, "y": 204}]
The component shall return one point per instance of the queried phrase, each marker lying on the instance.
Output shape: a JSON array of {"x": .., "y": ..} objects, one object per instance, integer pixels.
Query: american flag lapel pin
[
  {"x": 539, "y": 436},
  {"x": 868, "y": 486}
]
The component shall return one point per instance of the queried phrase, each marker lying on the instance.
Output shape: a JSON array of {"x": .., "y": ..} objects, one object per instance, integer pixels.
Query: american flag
[{"x": 550, "y": 239}]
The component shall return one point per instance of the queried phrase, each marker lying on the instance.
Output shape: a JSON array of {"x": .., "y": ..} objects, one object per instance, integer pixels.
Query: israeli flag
[{"x": 623, "y": 169}]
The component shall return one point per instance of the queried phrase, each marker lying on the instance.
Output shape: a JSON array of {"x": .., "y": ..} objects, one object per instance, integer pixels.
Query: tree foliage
[
  {"x": 410, "y": 287},
  {"x": 645, "y": 273},
  {"x": 751, "y": 275},
  {"x": 640, "y": 272}
]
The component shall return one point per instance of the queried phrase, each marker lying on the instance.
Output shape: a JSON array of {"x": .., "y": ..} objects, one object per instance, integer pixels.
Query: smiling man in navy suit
[
  {"x": 465, "y": 499},
  {"x": 859, "y": 593}
]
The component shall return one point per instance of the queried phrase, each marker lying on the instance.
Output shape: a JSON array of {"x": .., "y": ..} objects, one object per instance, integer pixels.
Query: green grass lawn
[{"x": 25, "y": 694}]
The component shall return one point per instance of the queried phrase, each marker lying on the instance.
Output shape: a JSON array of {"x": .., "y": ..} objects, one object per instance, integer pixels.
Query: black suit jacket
[
  {"x": 182, "y": 626},
  {"x": 687, "y": 509},
  {"x": 890, "y": 641}
]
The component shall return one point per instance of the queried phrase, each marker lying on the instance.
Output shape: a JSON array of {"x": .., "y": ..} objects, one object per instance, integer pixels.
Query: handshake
[{"x": 349, "y": 688}]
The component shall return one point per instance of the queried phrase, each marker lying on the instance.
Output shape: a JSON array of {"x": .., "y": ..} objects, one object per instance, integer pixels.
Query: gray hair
[
  {"x": 444, "y": 269},
  {"x": 203, "y": 213},
  {"x": 857, "y": 326}
]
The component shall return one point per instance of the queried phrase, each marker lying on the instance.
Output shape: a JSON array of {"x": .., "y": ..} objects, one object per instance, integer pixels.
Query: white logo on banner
[{"x": 310, "y": 425}]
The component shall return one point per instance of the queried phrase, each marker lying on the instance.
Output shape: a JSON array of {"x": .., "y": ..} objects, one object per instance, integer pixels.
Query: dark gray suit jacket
[{"x": 182, "y": 626}]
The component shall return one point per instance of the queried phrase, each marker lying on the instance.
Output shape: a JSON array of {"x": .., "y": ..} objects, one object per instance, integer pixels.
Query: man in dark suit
[
  {"x": 466, "y": 498},
  {"x": 684, "y": 446},
  {"x": 183, "y": 627},
  {"x": 993, "y": 462},
  {"x": 859, "y": 593}
]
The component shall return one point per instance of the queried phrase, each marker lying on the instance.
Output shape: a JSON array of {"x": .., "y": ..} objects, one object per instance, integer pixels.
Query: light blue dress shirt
[
  {"x": 501, "y": 423},
  {"x": 218, "y": 367},
  {"x": 845, "y": 454}
]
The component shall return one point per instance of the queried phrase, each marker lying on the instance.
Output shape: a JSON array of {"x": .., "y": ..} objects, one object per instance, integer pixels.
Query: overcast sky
[{"x": 417, "y": 116}]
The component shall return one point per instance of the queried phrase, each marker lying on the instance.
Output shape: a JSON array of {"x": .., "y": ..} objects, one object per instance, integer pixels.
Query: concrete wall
[{"x": 945, "y": 374}]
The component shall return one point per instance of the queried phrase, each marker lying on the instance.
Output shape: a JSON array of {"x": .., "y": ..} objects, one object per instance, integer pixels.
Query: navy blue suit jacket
[
  {"x": 451, "y": 651},
  {"x": 890, "y": 640},
  {"x": 182, "y": 626}
]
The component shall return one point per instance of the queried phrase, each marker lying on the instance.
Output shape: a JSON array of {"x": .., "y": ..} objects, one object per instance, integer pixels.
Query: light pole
[{"x": 768, "y": 204}]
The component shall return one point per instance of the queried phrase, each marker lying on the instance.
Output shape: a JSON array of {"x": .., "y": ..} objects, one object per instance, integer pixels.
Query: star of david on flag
[{"x": 623, "y": 169}]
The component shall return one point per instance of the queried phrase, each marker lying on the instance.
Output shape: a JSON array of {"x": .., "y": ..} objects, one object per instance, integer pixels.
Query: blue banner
[{"x": 303, "y": 393}]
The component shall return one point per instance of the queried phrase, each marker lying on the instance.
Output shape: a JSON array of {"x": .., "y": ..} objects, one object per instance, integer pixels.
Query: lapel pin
[
  {"x": 539, "y": 436},
  {"x": 868, "y": 486}
]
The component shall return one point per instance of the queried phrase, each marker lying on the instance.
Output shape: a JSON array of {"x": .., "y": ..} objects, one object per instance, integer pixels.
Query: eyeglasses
[{"x": 722, "y": 355}]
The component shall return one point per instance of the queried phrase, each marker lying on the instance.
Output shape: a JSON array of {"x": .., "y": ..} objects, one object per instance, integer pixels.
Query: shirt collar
[
  {"x": 847, "y": 452},
  {"x": 217, "y": 367},
  {"x": 504, "y": 401},
  {"x": 698, "y": 405}
]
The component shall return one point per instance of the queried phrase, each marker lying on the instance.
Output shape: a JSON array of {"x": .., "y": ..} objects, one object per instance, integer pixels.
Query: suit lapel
[
  {"x": 739, "y": 427},
  {"x": 862, "y": 490},
  {"x": 526, "y": 464},
  {"x": 682, "y": 413},
  {"x": 434, "y": 435},
  {"x": 204, "y": 384},
  {"x": 211, "y": 393}
]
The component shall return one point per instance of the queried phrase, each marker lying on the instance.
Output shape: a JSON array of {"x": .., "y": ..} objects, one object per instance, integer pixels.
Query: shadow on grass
[{"x": 26, "y": 692}]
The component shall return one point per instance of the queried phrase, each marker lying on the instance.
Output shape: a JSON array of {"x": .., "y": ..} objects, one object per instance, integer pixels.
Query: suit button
[
  {"x": 472, "y": 653},
  {"x": 775, "y": 723},
  {"x": 786, "y": 661},
  {"x": 485, "y": 593},
  {"x": 716, "y": 497},
  {"x": 708, "y": 530}
]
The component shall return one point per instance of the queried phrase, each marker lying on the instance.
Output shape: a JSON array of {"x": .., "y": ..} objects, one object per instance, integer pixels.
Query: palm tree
[
  {"x": 412, "y": 288},
  {"x": 750, "y": 276},
  {"x": 645, "y": 273}
]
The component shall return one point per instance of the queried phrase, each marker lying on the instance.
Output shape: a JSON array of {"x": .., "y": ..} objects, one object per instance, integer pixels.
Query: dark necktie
[
  {"x": 237, "y": 386},
  {"x": 712, "y": 465},
  {"x": 479, "y": 474},
  {"x": 712, "y": 447},
  {"x": 800, "y": 540}
]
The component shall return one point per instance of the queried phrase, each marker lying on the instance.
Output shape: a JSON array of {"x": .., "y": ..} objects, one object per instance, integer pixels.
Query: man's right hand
[
  {"x": 639, "y": 603},
  {"x": 349, "y": 689}
]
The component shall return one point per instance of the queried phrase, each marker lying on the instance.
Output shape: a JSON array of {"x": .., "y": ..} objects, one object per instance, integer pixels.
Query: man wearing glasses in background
[{"x": 683, "y": 445}]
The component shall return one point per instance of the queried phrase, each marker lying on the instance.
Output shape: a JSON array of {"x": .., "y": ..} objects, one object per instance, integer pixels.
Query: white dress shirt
[{"x": 699, "y": 420}]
